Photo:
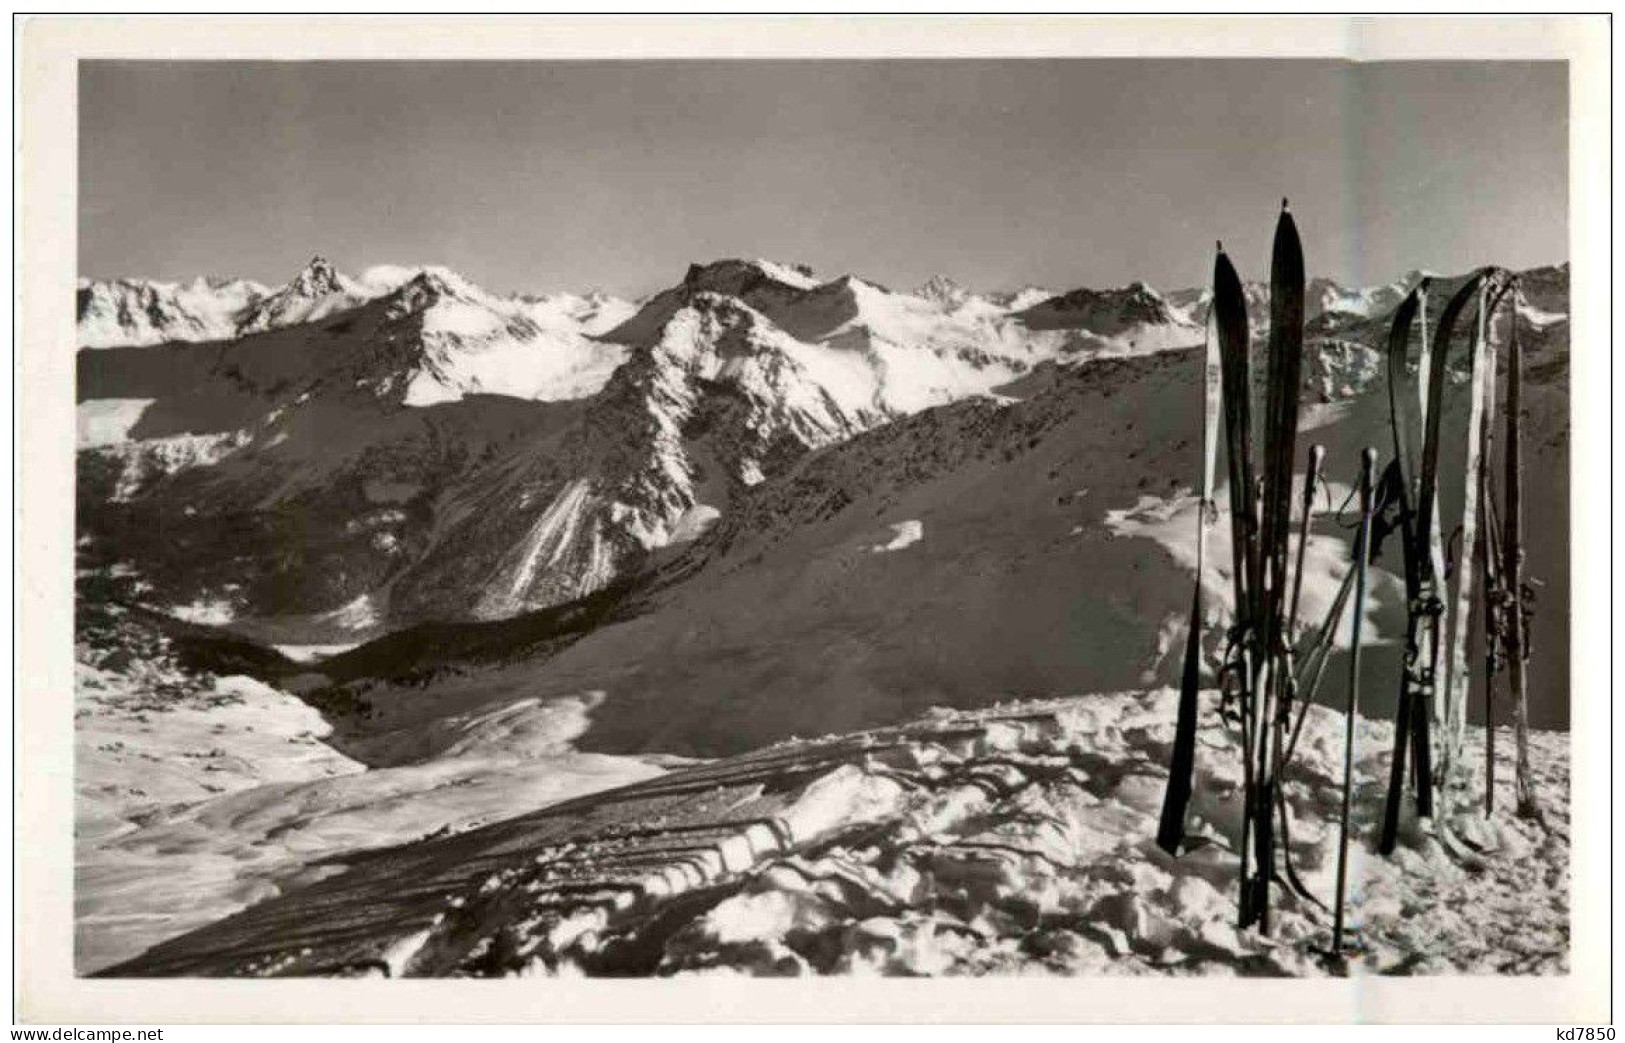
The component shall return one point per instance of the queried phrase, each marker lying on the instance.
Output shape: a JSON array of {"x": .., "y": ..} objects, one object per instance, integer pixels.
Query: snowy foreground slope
[
  {"x": 199, "y": 791},
  {"x": 1013, "y": 839}
]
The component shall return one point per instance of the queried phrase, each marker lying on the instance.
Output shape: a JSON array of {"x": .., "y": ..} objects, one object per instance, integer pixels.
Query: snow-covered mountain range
[
  {"x": 1325, "y": 300},
  {"x": 466, "y": 454},
  {"x": 447, "y": 453},
  {"x": 581, "y": 539},
  {"x": 138, "y": 311},
  {"x": 439, "y": 454}
]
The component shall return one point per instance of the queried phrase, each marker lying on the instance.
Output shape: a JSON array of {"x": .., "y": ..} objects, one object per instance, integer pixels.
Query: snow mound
[
  {"x": 312, "y": 653},
  {"x": 382, "y": 279},
  {"x": 903, "y": 534},
  {"x": 108, "y": 421},
  {"x": 694, "y": 523}
]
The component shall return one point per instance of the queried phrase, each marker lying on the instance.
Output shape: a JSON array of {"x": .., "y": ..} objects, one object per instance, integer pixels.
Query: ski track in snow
[{"x": 1014, "y": 840}]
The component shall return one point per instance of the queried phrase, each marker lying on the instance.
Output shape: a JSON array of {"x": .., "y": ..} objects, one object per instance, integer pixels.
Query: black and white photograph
[{"x": 996, "y": 517}]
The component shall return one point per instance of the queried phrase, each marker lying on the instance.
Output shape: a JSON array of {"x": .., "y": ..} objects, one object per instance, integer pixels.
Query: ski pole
[
  {"x": 1368, "y": 463},
  {"x": 1317, "y": 455}
]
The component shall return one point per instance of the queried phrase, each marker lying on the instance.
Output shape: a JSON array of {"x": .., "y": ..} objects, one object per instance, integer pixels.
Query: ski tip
[
  {"x": 1286, "y": 235},
  {"x": 1368, "y": 457},
  {"x": 1218, "y": 245},
  {"x": 1285, "y": 205},
  {"x": 1317, "y": 453}
]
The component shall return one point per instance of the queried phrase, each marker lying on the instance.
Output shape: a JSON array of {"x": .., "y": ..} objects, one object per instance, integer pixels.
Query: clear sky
[{"x": 538, "y": 176}]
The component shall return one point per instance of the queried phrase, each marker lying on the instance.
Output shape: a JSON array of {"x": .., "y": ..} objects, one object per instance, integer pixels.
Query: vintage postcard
[{"x": 991, "y": 519}]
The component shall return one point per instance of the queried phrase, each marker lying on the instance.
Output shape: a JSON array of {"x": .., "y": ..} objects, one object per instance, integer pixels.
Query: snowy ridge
[
  {"x": 1327, "y": 296},
  {"x": 936, "y": 345},
  {"x": 721, "y": 400},
  {"x": 799, "y": 276},
  {"x": 1133, "y": 320},
  {"x": 138, "y": 464},
  {"x": 1017, "y": 839},
  {"x": 1325, "y": 299},
  {"x": 474, "y": 343},
  {"x": 1020, "y": 300},
  {"x": 141, "y": 312}
]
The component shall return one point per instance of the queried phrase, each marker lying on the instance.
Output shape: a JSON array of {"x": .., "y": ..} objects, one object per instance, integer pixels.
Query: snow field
[
  {"x": 191, "y": 808},
  {"x": 1014, "y": 840}
]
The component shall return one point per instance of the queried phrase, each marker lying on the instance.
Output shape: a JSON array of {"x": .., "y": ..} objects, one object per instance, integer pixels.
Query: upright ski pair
[
  {"x": 1429, "y": 702},
  {"x": 1499, "y": 554},
  {"x": 1518, "y": 610},
  {"x": 1257, "y": 678}
]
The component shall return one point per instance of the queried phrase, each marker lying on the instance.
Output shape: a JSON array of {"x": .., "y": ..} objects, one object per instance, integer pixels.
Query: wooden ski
[{"x": 1182, "y": 766}]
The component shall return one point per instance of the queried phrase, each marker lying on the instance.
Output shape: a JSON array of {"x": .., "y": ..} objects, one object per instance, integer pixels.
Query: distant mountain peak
[
  {"x": 436, "y": 283},
  {"x": 850, "y": 283},
  {"x": 1020, "y": 299},
  {"x": 317, "y": 279},
  {"x": 1136, "y": 302},
  {"x": 318, "y": 290},
  {"x": 944, "y": 290},
  {"x": 736, "y": 276},
  {"x": 796, "y": 274}
]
